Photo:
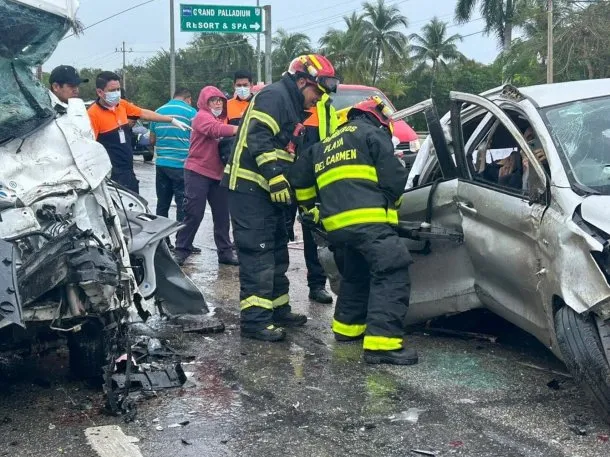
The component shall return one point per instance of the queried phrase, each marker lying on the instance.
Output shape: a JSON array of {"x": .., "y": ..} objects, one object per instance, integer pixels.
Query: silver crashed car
[{"x": 508, "y": 208}]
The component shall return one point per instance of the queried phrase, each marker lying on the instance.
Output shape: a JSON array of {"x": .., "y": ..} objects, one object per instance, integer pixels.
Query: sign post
[{"x": 221, "y": 19}]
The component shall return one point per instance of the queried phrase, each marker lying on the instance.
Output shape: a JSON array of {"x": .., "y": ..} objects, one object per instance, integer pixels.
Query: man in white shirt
[{"x": 63, "y": 84}]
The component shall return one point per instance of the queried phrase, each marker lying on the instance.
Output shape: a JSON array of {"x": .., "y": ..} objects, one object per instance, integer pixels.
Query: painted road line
[{"x": 110, "y": 441}]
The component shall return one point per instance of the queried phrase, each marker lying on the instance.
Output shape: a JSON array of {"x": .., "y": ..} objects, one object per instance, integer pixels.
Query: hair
[
  {"x": 242, "y": 74},
  {"x": 182, "y": 92},
  {"x": 104, "y": 78}
]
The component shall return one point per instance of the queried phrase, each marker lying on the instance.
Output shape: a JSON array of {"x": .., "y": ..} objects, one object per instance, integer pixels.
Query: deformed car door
[
  {"x": 442, "y": 277},
  {"x": 500, "y": 226}
]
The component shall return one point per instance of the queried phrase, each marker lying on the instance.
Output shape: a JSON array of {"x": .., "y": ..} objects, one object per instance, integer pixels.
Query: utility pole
[
  {"x": 258, "y": 53},
  {"x": 124, "y": 74},
  {"x": 267, "y": 9},
  {"x": 549, "y": 44},
  {"x": 172, "y": 51}
]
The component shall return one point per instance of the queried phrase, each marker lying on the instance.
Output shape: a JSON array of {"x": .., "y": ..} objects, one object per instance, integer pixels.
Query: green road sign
[{"x": 221, "y": 19}]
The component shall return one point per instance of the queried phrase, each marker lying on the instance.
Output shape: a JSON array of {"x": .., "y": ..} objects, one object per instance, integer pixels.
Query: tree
[
  {"x": 287, "y": 46},
  {"x": 435, "y": 48},
  {"x": 499, "y": 16},
  {"x": 382, "y": 42}
]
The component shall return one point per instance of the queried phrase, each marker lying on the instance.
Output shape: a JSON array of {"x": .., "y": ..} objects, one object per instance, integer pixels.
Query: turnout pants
[
  {"x": 375, "y": 286},
  {"x": 316, "y": 278},
  {"x": 170, "y": 184},
  {"x": 197, "y": 190},
  {"x": 259, "y": 229}
]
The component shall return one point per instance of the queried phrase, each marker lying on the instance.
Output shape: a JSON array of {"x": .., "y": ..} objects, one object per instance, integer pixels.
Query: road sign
[{"x": 221, "y": 19}]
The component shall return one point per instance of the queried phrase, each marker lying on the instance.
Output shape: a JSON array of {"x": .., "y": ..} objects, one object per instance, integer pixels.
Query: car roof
[
  {"x": 555, "y": 94},
  {"x": 356, "y": 87}
]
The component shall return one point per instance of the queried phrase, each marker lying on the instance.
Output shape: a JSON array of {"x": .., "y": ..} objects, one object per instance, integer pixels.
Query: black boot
[
  {"x": 283, "y": 317},
  {"x": 347, "y": 339},
  {"x": 320, "y": 296},
  {"x": 195, "y": 250},
  {"x": 402, "y": 356},
  {"x": 269, "y": 333},
  {"x": 228, "y": 258}
]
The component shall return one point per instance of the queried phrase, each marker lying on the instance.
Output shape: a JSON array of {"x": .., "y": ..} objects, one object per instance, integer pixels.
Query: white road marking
[{"x": 110, "y": 441}]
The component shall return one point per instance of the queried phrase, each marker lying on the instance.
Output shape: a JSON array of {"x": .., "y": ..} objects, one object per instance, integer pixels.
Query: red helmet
[
  {"x": 317, "y": 70},
  {"x": 378, "y": 108}
]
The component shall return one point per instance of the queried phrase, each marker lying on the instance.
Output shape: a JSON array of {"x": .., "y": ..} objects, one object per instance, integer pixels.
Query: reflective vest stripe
[
  {"x": 254, "y": 177},
  {"x": 354, "y": 217},
  {"x": 381, "y": 343},
  {"x": 281, "y": 301},
  {"x": 366, "y": 172},
  {"x": 266, "y": 157},
  {"x": 239, "y": 147},
  {"x": 267, "y": 120},
  {"x": 253, "y": 300},
  {"x": 348, "y": 329},
  {"x": 305, "y": 194}
]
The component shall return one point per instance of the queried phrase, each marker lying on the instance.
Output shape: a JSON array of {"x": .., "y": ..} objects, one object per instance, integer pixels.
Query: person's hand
[
  {"x": 540, "y": 155},
  {"x": 525, "y": 163},
  {"x": 181, "y": 125},
  {"x": 279, "y": 190},
  {"x": 508, "y": 166},
  {"x": 312, "y": 214}
]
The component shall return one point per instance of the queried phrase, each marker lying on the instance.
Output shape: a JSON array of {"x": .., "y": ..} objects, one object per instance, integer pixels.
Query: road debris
[
  {"x": 422, "y": 452},
  {"x": 110, "y": 441},
  {"x": 411, "y": 416}
]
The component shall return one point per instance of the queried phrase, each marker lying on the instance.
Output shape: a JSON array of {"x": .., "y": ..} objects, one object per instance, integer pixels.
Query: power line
[{"x": 110, "y": 17}]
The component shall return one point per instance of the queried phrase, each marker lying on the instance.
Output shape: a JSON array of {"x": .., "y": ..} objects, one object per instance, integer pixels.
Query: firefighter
[
  {"x": 259, "y": 193},
  {"x": 358, "y": 183},
  {"x": 322, "y": 122}
]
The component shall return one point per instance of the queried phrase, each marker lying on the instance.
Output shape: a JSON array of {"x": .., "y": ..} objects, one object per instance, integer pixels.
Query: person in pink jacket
[{"x": 203, "y": 171}]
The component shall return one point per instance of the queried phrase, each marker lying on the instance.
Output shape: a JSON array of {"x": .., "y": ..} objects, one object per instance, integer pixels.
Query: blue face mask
[
  {"x": 112, "y": 98},
  {"x": 242, "y": 92}
]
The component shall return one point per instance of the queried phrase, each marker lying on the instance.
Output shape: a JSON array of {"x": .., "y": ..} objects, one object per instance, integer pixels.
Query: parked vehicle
[
  {"x": 531, "y": 244},
  {"x": 140, "y": 141}
]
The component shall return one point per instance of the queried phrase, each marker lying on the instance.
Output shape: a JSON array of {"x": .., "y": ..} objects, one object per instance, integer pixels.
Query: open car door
[{"x": 442, "y": 277}]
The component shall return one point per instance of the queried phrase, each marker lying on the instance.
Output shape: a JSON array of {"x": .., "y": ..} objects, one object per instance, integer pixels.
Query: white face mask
[
  {"x": 242, "y": 92},
  {"x": 112, "y": 98},
  {"x": 216, "y": 111}
]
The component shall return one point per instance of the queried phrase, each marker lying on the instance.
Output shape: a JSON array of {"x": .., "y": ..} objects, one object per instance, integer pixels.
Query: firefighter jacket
[
  {"x": 265, "y": 131},
  {"x": 322, "y": 121},
  {"x": 354, "y": 176}
]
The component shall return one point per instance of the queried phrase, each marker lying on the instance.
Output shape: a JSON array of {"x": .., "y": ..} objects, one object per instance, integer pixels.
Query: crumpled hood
[
  {"x": 208, "y": 92},
  {"x": 595, "y": 209}
]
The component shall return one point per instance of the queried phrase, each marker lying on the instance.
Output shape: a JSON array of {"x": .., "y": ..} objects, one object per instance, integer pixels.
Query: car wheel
[
  {"x": 584, "y": 355},
  {"x": 148, "y": 156},
  {"x": 87, "y": 350}
]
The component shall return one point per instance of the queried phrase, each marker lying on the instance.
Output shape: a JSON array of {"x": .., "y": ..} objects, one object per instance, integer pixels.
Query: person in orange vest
[
  {"x": 236, "y": 106},
  {"x": 320, "y": 124}
]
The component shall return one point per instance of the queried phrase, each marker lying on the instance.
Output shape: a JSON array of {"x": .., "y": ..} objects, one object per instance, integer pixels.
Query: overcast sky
[{"x": 146, "y": 28}]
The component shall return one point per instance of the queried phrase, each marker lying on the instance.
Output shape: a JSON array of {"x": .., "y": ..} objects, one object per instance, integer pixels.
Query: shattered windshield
[
  {"x": 581, "y": 132},
  {"x": 28, "y": 38}
]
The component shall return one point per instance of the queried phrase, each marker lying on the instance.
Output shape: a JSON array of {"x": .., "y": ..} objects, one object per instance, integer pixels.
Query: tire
[
  {"x": 87, "y": 350},
  {"x": 148, "y": 156},
  {"x": 583, "y": 354}
]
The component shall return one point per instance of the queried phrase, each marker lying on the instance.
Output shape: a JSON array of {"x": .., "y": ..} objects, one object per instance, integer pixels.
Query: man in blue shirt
[{"x": 172, "y": 148}]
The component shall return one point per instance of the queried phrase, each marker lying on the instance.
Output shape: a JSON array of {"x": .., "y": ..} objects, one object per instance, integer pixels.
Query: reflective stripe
[
  {"x": 254, "y": 177},
  {"x": 266, "y": 157},
  {"x": 283, "y": 155},
  {"x": 253, "y": 300},
  {"x": 381, "y": 343},
  {"x": 267, "y": 120},
  {"x": 281, "y": 301},
  {"x": 348, "y": 329},
  {"x": 315, "y": 61},
  {"x": 392, "y": 217},
  {"x": 305, "y": 194},
  {"x": 355, "y": 216},
  {"x": 239, "y": 147},
  {"x": 366, "y": 172}
]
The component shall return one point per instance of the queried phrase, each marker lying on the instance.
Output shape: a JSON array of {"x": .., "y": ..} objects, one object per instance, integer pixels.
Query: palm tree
[
  {"x": 337, "y": 46},
  {"x": 287, "y": 46},
  {"x": 434, "y": 47},
  {"x": 382, "y": 42},
  {"x": 499, "y": 15}
]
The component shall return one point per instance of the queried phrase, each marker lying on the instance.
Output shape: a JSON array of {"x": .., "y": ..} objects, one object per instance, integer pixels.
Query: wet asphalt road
[{"x": 310, "y": 397}]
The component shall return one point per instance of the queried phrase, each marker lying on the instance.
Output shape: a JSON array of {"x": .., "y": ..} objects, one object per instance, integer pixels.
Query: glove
[
  {"x": 312, "y": 214},
  {"x": 279, "y": 190},
  {"x": 181, "y": 125}
]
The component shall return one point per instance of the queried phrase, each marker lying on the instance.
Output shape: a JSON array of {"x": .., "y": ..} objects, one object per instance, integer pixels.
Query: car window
[{"x": 348, "y": 97}]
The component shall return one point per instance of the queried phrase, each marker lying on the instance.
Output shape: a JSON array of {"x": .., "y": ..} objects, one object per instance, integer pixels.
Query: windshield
[
  {"x": 581, "y": 132},
  {"x": 348, "y": 97},
  {"x": 29, "y": 36}
]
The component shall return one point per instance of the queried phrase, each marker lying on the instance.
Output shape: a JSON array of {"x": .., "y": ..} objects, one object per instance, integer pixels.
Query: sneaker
[
  {"x": 269, "y": 333},
  {"x": 320, "y": 296},
  {"x": 402, "y": 356},
  {"x": 289, "y": 319},
  {"x": 195, "y": 250},
  {"x": 347, "y": 339},
  {"x": 228, "y": 259}
]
